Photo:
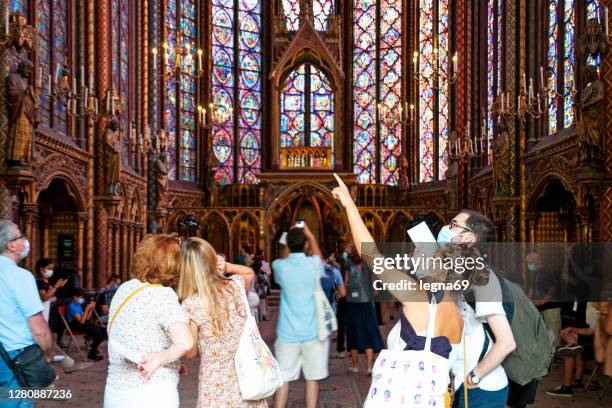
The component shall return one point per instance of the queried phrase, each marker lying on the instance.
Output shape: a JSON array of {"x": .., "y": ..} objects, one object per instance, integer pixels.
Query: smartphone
[{"x": 299, "y": 223}]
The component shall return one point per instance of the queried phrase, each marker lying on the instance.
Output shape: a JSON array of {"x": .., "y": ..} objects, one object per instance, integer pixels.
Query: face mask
[
  {"x": 26, "y": 250},
  {"x": 446, "y": 235},
  {"x": 531, "y": 267},
  {"x": 114, "y": 288},
  {"x": 48, "y": 273},
  {"x": 80, "y": 301},
  {"x": 345, "y": 256}
]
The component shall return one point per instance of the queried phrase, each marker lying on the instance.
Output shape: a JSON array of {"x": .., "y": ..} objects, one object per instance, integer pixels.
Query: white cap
[{"x": 283, "y": 239}]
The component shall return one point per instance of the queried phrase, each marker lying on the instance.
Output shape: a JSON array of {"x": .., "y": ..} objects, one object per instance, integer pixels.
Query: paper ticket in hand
[
  {"x": 421, "y": 233},
  {"x": 124, "y": 352}
]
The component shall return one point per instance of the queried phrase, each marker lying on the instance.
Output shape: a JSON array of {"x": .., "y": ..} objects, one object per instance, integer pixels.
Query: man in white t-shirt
[{"x": 486, "y": 379}]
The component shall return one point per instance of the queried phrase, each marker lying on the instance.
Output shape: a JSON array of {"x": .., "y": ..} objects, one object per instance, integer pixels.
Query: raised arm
[{"x": 361, "y": 235}]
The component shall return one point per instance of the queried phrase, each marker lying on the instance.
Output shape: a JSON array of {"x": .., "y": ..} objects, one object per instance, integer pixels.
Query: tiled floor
[{"x": 341, "y": 389}]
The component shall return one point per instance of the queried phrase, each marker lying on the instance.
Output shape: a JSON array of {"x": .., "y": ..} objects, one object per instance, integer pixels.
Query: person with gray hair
[{"x": 21, "y": 321}]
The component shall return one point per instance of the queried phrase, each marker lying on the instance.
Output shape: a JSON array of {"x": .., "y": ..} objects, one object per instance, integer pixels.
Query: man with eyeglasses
[{"x": 21, "y": 320}]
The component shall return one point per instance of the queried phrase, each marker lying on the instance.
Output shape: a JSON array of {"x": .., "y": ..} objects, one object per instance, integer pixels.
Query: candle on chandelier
[
  {"x": 455, "y": 63},
  {"x": 154, "y": 52},
  {"x": 525, "y": 83},
  {"x": 606, "y": 21},
  {"x": 96, "y": 106},
  {"x": 199, "y": 113},
  {"x": 530, "y": 88},
  {"x": 203, "y": 117},
  {"x": 199, "y": 60},
  {"x": 108, "y": 99},
  {"x": 74, "y": 86},
  {"x": 82, "y": 76},
  {"x": 542, "y": 77},
  {"x": 518, "y": 104},
  {"x": 57, "y": 72},
  {"x": 415, "y": 60},
  {"x": 411, "y": 112}
]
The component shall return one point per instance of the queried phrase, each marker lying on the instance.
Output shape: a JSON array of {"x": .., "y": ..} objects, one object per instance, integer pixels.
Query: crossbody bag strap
[
  {"x": 127, "y": 299},
  {"x": 7, "y": 359},
  {"x": 238, "y": 280}
]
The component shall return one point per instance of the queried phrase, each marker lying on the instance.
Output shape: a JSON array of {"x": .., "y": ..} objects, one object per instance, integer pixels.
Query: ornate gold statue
[
  {"x": 112, "y": 157},
  {"x": 161, "y": 170},
  {"x": 501, "y": 161},
  {"x": 22, "y": 109},
  {"x": 591, "y": 123}
]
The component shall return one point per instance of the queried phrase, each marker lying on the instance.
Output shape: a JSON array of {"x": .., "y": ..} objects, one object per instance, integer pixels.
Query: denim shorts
[
  {"x": 8, "y": 383},
  {"x": 478, "y": 398}
]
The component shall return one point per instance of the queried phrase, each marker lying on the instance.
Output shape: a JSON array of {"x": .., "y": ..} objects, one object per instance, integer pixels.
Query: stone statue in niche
[
  {"x": 591, "y": 119},
  {"x": 112, "y": 156},
  {"x": 501, "y": 160},
  {"x": 161, "y": 170},
  {"x": 404, "y": 181},
  {"x": 593, "y": 41},
  {"x": 23, "y": 115}
]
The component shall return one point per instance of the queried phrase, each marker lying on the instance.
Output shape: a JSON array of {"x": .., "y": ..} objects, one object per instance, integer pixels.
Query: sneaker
[
  {"x": 561, "y": 391},
  {"x": 570, "y": 350},
  {"x": 337, "y": 354},
  {"x": 94, "y": 357},
  {"x": 354, "y": 369}
]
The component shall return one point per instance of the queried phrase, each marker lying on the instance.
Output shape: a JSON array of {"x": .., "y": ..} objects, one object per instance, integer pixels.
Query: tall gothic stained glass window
[
  {"x": 120, "y": 63},
  {"x": 433, "y": 89},
  {"x": 321, "y": 10},
  {"x": 52, "y": 19},
  {"x": 237, "y": 90},
  {"x": 561, "y": 63},
  {"x": 494, "y": 35},
  {"x": 180, "y": 104},
  {"x": 307, "y": 109},
  {"x": 377, "y": 60}
]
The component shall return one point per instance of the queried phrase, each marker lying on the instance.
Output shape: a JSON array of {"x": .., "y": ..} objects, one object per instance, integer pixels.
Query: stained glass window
[
  {"x": 52, "y": 18},
  {"x": 180, "y": 104},
  {"x": 119, "y": 62},
  {"x": 20, "y": 6},
  {"x": 593, "y": 10},
  {"x": 237, "y": 88},
  {"x": 494, "y": 67},
  {"x": 291, "y": 8},
  {"x": 433, "y": 89},
  {"x": 307, "y": 109},
  {"x": 377, "y": 58},
  {"x": 561, "y": 62},
  {"x": 321, "y": 11}
]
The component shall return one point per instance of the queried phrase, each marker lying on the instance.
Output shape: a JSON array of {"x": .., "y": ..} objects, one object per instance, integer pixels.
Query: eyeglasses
[
  {"x": 453, "y": 224},
  {"x": 22, "y": 236}
]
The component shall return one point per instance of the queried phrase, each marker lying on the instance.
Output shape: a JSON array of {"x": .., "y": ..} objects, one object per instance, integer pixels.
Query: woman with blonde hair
[
  {"x": 214, "y": 305},
  {"x": 148, "y": 330}
]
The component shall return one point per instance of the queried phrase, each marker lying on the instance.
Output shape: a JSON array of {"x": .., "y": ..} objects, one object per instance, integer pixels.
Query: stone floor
[{"x": 341, "y": 389}]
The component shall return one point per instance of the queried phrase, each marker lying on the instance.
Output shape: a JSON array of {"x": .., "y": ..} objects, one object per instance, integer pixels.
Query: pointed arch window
[
  {"x": 307, "y": 109},
  {"x": 180, "y": 103},
  {"x": 52, "y": 20},
  {"x": 291, "y": 9},
  {"x": 237, "y": 90},
  {"x": 561, "y": 17},
  {"x": 377, "y": 61},
  {"x": 433, "y": 90},
  {"x": 593, "y": 10},
  {"x": 494, "y": 41}
]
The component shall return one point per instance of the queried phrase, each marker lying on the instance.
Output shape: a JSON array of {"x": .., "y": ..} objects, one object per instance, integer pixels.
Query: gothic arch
[{"x": 71, "y": 184}]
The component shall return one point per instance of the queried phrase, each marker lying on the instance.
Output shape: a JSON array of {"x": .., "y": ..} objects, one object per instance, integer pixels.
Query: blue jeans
[
  {"x": 478, "y": 398},
  {"x": 9, "y": 382}
]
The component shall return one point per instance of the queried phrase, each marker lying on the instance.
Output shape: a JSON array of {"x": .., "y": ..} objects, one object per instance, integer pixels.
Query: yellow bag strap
[{"x": 127, "y": 299}]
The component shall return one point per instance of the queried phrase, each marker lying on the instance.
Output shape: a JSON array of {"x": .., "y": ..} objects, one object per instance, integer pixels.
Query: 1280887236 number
[{"x": 39, "y": 394}]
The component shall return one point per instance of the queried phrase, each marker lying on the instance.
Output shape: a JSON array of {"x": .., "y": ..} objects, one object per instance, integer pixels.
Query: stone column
[
  {"x": 125, "y": 247},
  {"x": 82, "y": 218},
  {"x": 30, "y": 217}
]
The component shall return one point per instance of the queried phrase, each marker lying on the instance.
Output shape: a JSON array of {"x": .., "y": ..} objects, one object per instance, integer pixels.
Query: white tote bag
[
  {"x": 326, "y": 318},
  {"x": 259, "y": 374},
  {"x": 411, "y": 378}
]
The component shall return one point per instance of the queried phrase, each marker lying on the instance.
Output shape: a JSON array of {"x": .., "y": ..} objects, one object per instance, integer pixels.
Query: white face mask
[
  {"x": 26, "y": 250},
  {"x": 48, "y": 273}
]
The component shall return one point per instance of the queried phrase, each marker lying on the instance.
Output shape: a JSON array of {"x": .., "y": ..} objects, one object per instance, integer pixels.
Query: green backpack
[{"x": 535, "y": 343}]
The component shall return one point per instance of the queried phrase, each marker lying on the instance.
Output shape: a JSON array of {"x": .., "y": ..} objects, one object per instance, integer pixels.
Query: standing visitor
[
  {"x": 362, "y": 330},
  {"x": 264, "y": 275},
  {"x": 21, "y": 321},
  {"x": 213, "y": 303},
  {"x": 105, "y": 296},
  {"x": 146, "y": 318},
  {"x": 342, "y": 260},
  {"x": 297, "y": 345},
  {"x": 245, "y": 256},
  {"x": 332, "y": 282},
  {"x": 545, "y": 289}
]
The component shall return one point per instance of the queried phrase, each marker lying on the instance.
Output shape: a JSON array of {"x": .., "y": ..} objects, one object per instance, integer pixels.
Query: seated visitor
[
  {"x": 105, "y": 296},
  {"x": 79, "y": 319}
]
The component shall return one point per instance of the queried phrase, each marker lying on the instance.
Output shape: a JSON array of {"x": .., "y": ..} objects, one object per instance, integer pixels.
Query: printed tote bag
[{"x": 410, "y": 378}]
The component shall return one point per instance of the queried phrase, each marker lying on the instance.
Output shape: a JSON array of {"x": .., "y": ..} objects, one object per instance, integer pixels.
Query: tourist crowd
[{"x": 186, "y": 300}]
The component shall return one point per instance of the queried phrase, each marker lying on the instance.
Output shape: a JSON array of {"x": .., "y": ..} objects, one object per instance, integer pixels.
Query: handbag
[
  {"x": 259, "y": 375},
  {"x": 410, "y": 377},
  {"x": 326, "y": 318},
  {"x": 30, "y": 367}
]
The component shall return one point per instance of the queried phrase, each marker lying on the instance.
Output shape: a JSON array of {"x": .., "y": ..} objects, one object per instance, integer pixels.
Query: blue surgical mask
[
  {"x": 80, "y": 301},
  {"x": 114, "y": 288},
  {"x": 345, "y": 256},
  {"x": 531, "y": 267},
  {"x": 445, "y": 236}
]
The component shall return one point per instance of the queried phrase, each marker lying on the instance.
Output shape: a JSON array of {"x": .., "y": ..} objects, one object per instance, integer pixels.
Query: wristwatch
[{"x": 474, "y": 379}]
